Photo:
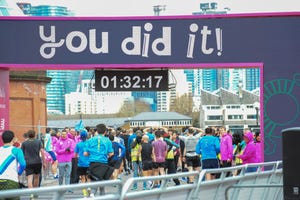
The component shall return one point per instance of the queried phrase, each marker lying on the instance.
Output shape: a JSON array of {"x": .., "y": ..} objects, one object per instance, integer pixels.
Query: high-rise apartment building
[
  {"x": 252, "y": 79},
  {"x": 236, "y": 79},
  {"x": 207, "y": 79},
  {"x": 148, "y": 97},
  {"x": 214, "y": 79},
  {"x": 56, "y": 90},
  {"x": 88, "y": 101},
  {"x": 246, "y": 78},
  {"x": 190, "y": 77}
]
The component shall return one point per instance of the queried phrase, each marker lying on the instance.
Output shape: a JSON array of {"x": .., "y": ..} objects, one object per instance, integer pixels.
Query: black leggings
[{"x": 170, "y": 166}]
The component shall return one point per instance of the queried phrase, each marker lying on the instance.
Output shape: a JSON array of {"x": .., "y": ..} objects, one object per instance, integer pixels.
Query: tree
[
  {"x": 196, "y": 121},
  {"x": 131, "y": 108},
  {"x": 183, "y": 105}
]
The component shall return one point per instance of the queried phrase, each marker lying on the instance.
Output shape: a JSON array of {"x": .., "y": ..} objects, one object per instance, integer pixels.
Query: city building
[
  {"x": 194, "y": 76},
  {"x": 248, "y": 78},
  {"x": 56, "y": 90},
  {"x": 230, "y": 79},
  {"x": 88, "y": 101},
  {"x": 208, "y": 8},
  {"x": 160, "y": 119},
  {"x": 44, "y": 10},
  {"x": 142, "y": 120},
  {"x": 147, "y": 97},
  {"x": 252, "y": 79},
  {"x": 109, "y": 122},
  {"x": 207, "y": 79},
  {"x": 64, "y": 82},
  {"x": 236, "y": 78},
  {"x": 232, "y": 110},
  {"x": 161, "y": 101},
  {"x": 9, "y": 8}
]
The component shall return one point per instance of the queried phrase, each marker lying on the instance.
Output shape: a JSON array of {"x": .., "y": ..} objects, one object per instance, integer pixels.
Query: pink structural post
[{"x": 4, "y": 102}]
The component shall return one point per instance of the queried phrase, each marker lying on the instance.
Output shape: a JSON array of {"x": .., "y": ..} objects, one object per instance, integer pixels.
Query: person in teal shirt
[
  {"x": 83, "y": 161},
  {"x": 99, "y": 149},
  {"x": 208, "y": 147}
]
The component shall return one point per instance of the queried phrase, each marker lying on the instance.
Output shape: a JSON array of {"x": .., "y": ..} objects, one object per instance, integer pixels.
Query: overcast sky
[{"x": 173, "y": 7}]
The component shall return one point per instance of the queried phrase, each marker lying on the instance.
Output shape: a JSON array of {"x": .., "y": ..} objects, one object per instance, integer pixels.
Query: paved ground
[{"x": 75, "y": 194}]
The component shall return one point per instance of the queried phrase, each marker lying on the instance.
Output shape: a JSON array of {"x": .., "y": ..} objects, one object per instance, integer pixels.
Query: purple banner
[
  {"x": 4, "y": 102},
  {"x": 269, "y": 41}
]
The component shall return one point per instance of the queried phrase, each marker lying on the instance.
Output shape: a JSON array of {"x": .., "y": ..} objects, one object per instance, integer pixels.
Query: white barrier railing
[
  {"x": 234, "y": 187},
  {"x": 58, "y": 192},
  {"x": 267, "y": 174},
  {"x": 213, "y": 189}
]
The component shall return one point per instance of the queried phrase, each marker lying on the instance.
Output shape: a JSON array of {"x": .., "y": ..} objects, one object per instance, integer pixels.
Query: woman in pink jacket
[{"x": 249, "y": 153}]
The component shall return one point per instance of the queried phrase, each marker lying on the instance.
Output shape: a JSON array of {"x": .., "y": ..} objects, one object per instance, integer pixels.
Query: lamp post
[{"x": 256, "y": 106}]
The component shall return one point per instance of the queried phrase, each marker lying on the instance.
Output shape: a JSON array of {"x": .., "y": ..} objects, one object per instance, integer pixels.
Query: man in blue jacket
[{"x": 208, "y": 147}]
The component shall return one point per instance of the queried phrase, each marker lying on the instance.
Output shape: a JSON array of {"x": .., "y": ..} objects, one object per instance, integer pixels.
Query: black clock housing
[{"x": 131, "y": 80}]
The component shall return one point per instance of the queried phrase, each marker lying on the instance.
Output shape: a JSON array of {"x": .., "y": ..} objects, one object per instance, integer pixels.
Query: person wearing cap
[
  {"x": 249, "y": 153},
  {"x": 83, "y": 161}
]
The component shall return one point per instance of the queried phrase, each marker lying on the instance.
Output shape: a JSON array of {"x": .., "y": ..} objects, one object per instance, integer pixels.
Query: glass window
[
  {"x": 215, "y": 117},
  {"x": 251, "y": 116},
  {"x": 235, "y": 117}
]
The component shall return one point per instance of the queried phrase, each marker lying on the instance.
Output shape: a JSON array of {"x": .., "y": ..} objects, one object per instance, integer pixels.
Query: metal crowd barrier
[
  {"x": 59, "y": 192},
  {"x": 265, "y": 183},
  {"x": 269, "y": 173},
  {"x": 182, "y": 191}
]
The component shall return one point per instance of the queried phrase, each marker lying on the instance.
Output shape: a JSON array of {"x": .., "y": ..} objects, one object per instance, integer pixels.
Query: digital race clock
[{"x": 131, "y": 80}]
